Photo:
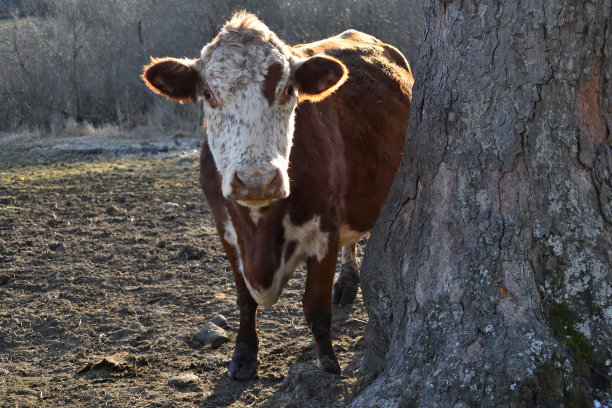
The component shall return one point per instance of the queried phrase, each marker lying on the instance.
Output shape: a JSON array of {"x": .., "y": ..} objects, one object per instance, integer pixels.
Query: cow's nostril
[{"x": 275, "y": 183}]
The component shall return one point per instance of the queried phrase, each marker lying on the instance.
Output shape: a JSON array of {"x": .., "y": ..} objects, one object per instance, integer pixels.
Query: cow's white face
[
  {"x": 251, "y": 83},
  {"x": 249, "y": 107}
]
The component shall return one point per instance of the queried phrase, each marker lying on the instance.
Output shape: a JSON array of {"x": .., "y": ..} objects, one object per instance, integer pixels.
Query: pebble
[
  {"x": 219, "y": 320},
  {"x": 169, "y": 206},
  {"x": 184, "y": 380},
  {"x": 190, "y": 253},
  {"x": 185, "y": 160},
  {"x": 212, "y": 334},
  {"x": 113, "y": 210},
  {"x": 56, "y": 246}
]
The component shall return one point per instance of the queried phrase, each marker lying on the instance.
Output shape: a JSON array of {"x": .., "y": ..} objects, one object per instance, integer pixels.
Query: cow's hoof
[
  {"x": 345, "y": 290},
  {"x": 243, "y": 367},
  {"x": 326, "y": 363}
]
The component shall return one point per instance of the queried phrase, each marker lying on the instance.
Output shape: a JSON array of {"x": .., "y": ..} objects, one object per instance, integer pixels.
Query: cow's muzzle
[{"x": 258, "y": 186}]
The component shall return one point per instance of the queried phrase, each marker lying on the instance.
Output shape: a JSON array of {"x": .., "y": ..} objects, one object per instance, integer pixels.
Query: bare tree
[{"x": 488, "y": 278}]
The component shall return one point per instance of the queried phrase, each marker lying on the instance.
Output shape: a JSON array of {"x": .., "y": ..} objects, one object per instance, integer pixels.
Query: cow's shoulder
[{"x": 373, "y": 66}]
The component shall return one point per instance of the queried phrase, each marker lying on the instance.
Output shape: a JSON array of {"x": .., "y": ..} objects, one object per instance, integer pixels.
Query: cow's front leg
[
  {"x": 345, "y": 288},
  {"x": 244, "y": 362},
  {"x": 317, "y": 303}
]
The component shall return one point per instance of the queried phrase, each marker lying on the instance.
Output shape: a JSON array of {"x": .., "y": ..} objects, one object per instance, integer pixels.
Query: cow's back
[{"x": 365, "y": 120}]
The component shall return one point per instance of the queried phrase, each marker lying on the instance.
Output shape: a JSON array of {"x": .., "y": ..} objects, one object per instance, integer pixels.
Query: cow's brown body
[{"x": 302, "y": 147}]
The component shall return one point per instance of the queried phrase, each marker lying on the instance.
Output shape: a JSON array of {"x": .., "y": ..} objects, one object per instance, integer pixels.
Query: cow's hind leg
[
  {"x": 345, "y": 288},
  {"x": 317, "y": 305}
]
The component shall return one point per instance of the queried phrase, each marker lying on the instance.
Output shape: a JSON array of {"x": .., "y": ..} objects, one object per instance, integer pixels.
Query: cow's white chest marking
[{"x": 306, "y": 240}]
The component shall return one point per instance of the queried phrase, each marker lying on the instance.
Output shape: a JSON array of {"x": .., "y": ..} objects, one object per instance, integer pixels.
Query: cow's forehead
[
  {"x": 241, "y": 55},
  {"x": 240, "y": 66}
]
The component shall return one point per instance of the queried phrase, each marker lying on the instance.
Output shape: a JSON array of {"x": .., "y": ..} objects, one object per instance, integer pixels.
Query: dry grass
[{"x": 70, "y": 138}]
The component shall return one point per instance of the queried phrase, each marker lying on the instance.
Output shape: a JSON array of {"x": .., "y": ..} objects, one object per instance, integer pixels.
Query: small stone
[
  {"x": 184, "y": 380},
  {"x": 189, "y": 253},
  {"x": 5, "y": 278},
  {"x": 56, "y": 246},
  {"x": 219, "y": 320},
  {"x": 113, "y": 210},
  {"x": 185, "y": 160},
  {"x": 212, "y": 334},
  {"x": 180, "y": 221},
  {"x": 170, "y": 206}
]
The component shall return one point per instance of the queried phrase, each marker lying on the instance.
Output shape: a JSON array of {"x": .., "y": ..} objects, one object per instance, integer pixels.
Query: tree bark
[{"x": 487, "y": 277}]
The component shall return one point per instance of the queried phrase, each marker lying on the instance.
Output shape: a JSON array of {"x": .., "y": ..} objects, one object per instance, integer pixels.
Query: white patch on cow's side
[
  {"x": 311, "y": 240},
  {"x": 349, "y": 236}
]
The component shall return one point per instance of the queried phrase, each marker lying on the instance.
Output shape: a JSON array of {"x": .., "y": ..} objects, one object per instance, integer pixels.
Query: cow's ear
[
  {"x": 176, "y": 79},
  {"x": 319, "y": 76}
]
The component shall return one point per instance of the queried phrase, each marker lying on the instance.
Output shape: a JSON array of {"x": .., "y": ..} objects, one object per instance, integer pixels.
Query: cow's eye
[
  {"x": 290, "y": 90},
  {"x": 210, "y": 97}
]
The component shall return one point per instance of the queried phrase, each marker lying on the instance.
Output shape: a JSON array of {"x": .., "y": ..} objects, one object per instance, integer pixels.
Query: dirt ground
[{"x": 109, "y": 266}]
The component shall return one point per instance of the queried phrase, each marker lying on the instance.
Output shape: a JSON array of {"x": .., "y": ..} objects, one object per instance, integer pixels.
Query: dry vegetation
[{"x": 64, "y": 59}]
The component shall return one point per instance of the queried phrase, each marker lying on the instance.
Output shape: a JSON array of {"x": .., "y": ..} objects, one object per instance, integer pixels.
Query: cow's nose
[
  {"x": 257, "y": 183},
  {"x": 257, "y": 177}
]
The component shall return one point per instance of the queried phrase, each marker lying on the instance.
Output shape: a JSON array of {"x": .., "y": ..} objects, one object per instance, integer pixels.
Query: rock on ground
[{"x": 212, "y": 334}]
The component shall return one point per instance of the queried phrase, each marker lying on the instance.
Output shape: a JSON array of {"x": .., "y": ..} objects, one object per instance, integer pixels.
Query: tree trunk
[{"x": 488, "y": 278}]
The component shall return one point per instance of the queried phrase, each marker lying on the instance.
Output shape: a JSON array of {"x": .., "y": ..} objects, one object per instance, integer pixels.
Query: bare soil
[{"x": 110, "y": 264}]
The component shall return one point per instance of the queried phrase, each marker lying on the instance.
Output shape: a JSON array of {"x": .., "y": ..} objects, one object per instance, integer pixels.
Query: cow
[{"x": 302, "y": 144}]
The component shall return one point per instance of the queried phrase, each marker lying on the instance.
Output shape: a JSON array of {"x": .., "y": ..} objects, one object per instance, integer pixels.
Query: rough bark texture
[{"x": 488, "y": 278}]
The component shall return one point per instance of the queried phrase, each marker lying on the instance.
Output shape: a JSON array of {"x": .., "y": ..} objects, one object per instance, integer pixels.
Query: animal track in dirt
[{"x": 99, "y": 271}]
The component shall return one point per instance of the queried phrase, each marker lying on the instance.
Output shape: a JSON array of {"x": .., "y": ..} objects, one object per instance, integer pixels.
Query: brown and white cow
[{"x": 301, "y": 149}]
